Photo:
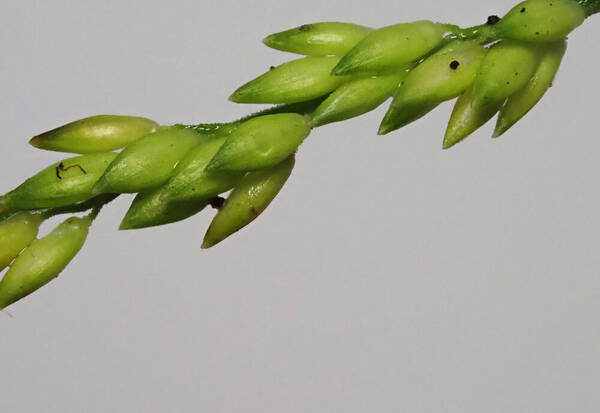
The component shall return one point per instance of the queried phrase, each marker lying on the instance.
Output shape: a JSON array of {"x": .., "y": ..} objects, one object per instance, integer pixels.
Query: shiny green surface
[
  {"x": 442, "y": 76},
  {"x": 261, "y": 142},
  {"x": 519, "y": 104},
  {"x": 150, "y": 209},
  {"x": 185, "y": 194},
  {"x": 192, "y": 181},
  {"x": 148, "y": 162},
  {"x": 396, "y": 117},
  {"x": 466, "y": 118},
  {"x": 95, "y": 134},
  {"x": 389, "y": 48},
  {"x": 540, "y": 20},
  {"x": 507, "y": 67},
  {"x": 356, "y": 97},
  {"x": 60, "y": 185},
  {"x": 17, "y": 232},
  {"x": 295, "y": 81},
  {"x": 43, "y": 260},
  {"x": 247, "y": 201},
  {"x": 319, "y": 39}
]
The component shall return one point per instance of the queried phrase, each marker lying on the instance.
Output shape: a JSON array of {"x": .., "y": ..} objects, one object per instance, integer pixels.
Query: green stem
[
  {"x": 95, "y": 211},
  {"x": 302, "y": 108},
  {"x": 482, "y": 33},
  {"x": 95, "y": 203},
  {"x": 207, "y": 128}
]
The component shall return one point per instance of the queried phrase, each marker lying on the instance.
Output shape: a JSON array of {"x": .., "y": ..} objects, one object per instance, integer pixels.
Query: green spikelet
[
  {"x": 389, "y": 48},
  {"x": 442, "y": 76},
  {"x": 540, "y": 20},
  {"x": 147, "y": 162},
  {"x": 296, "y": 81},
  {"x": 356, "y": 97},
  {"x": 507, "y": 68},
  {"x": 43, "y": 260},
  {"x": 63, "y": 183},
  {"x": 16, "y": 233},
  {"x": 466, "y": 118},
  {"x": 519, "y": 104},
  {"x": 318, "y": 39},
  {"x": 95, "y": 134},
  {"x": 260, "y": 143},
  {"x": 247, "y": 201}
]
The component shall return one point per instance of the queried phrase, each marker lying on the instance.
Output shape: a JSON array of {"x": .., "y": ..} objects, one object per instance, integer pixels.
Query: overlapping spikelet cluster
[{"x": 502, "y": 67}]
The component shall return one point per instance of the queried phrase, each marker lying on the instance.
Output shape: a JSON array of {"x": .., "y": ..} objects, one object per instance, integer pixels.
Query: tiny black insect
[
  {"x": 491, "y": 20},
  {"x": 61, "y": 168}
]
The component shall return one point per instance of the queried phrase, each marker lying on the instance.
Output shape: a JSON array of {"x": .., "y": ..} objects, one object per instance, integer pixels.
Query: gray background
[{"x": 388, "y": 275}]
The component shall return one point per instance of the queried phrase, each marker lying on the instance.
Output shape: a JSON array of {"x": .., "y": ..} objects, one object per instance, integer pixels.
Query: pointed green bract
[
  {"x": 186, "y": 193},
  {"x": 150, "y": 209},
  {"x": 442, "y": 76},
  {"x": 507, "y": 67},
  {"x": 396, "y": 117},
  {"x": 148, "y": 162},
  {"x": 389, "y": 48},
  {"x": 318, "y": 39},
  {"x": 16, "y": 233},
  {"x": 466, "y": 118},
  {"x": 540, "y": 20},
  {"x": 43, "y": 260},
  {"x": 63, "y": 183},
  {"x": 95, "y": 134},
  {"x": 247, "y": 201},
  {"x": 261, "y": 142},
  {"x": 191, "y": 181},
  {"x": 356, "y": 97},
  {"x": 519, "y": 104},
  {"x": 296, "y": 81}
]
